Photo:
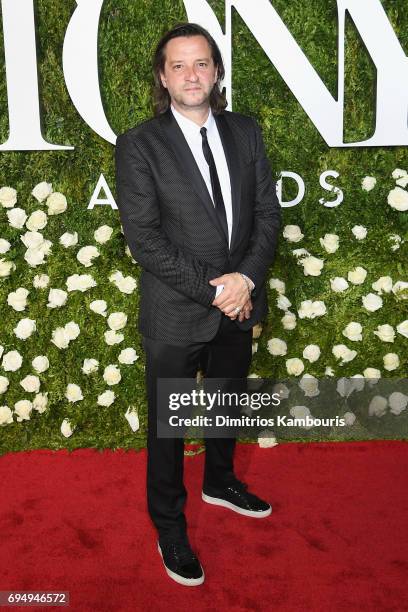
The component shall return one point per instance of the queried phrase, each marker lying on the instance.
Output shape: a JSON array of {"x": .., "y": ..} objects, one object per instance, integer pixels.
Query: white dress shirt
[
  {"x": 194, "y": 139},
  {"x": 191, "y": 132}
]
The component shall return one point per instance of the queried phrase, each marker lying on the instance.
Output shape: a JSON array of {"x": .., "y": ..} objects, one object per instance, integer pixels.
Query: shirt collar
[{"x": 188, "y": 126}]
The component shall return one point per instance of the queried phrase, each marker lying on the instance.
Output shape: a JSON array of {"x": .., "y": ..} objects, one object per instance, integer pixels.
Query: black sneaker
[
  {"x": 236, "y": 497},
  {"x": 180, "y": 562}
]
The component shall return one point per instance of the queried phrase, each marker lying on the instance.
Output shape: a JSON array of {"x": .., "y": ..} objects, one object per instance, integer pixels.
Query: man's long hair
[{"x": 161, "y": 96}]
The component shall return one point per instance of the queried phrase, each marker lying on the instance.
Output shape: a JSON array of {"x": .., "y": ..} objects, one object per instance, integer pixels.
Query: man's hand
[{"x": 234, "y": 294}]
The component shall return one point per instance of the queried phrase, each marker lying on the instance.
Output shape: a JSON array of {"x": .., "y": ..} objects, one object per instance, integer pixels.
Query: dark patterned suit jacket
[{"x": 173, "y": 232}]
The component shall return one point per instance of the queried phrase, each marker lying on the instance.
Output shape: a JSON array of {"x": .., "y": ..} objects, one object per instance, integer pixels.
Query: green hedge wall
[{"x": 128, "y": 33}]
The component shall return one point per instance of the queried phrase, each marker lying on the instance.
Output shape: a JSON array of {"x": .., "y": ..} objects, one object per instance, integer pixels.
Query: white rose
[
  {"x": 329, "y": 371},
  {"x": 128, "y": 356},
  {"x": 386, "y": 333},
  {"x": 112, "y": 375},
  {"x": 18, "y": 299},
  {"x": 311, "y": 352},
  {"x": 41, "y": 281},
  {"x": 32, "y": 239},
  {"x": 266, "y": 439},
  {"x": 72, "y": 329},
  {"x": 16, "y": 217},
  {"x": 66, "y": 428},
  {"x": 57, "y": 298},
  {"x": 4, "y": 383},
  {"x": 399, "y": 173},
  {"x": 312, "y": 266},
  {"x": 25, "y": 328},
  {"x": 23, "y": 409},
  {"x": 292, "y": 233},
  {"x": 4, "y": 246},
  {"x": 357, "y": 276},
  {"x": 294, "y": 366},
  {"x": 398, "y": 199},
  {"x": 282, "y": 390},
  {"x": 37, "y": 220},
  {"x": 330, "y": 242},
  {"x": 30, "y": 383},
  {"x": 398, "y": 402},
  {"x": 275, "y": 283},
  {"x": 378, "y": 406},
  {"x": 103, "y": 234},
  {"x": 99, "y": 306},
  {"x": 368, "y": 183},
  {"x": 12, "y": 361},
  {"x": 68, "y": 240},
  {"x": 86, "y": 254},
  {"x": 42, "y": 191},
  {"x": 34, "y": 257},
  {"x": 80, "y": 282},
  {"x": 90, "y": 365},
  {"x": 301, "y": 412},
  {"x": 128, "y": 253},
  {"x": 346, "y": 386},
  {"x": 132, "y": 418},
  {"x": 372, "y": 302},
  {"x": 400, "y": 290},
  {"x": 391, "y": 361},
  {"x": 56, "y": 203},
  {"x": 283, "y": 303},
  {"x": 349, "y": 418},
  {"x": 8, "y": 197},
  {"x": 359, "y": 231},
  {"x": 372, "y": 373},
  {"x": 117, "y": 320},
  {"x": 396, "y": 240},
  {"x": 352, "y": 331},
  {"x": 311, "y": 310},
  {"x": 383, "y": 284},
  {"x": 40, "y": 402},
  {"x": 6, "y": 415},
  {"x": 277, "y": 347},
  {"x": 60, "y": 338},
  {"x": 6, "y": 267},
  {"x": 338, "y": 284},
  {"x": 309, "y": 385},
  {"x": 402, "y": 328},
  {"x": 106, "y": 398},
  {"x": 342, "y": 352},
  {"x": 40, "y": 363},
  {"x": 256, "y": 331},
  {"x": 111, "y": 337},
  {"x": 299, "y": 253},
  {"x": 125, "y": 284},
  {"x": 73, "y": 393},
  {"x": 289, "y": 320}
]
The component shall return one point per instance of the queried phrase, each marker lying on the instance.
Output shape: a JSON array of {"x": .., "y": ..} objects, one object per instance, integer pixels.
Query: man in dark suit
[{"x": 200, "y": 214}]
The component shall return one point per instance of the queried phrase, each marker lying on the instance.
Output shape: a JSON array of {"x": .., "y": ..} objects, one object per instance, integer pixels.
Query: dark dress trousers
[{"x": 173, "y": 232}]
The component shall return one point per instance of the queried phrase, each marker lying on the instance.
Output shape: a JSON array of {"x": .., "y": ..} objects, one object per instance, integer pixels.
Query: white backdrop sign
[{"x": 80, "y": 67}]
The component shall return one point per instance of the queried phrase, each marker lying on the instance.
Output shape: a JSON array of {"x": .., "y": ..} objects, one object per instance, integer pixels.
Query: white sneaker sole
[
  {"x": 226, "y": 504},
  {"x": 178, "y": 578}
]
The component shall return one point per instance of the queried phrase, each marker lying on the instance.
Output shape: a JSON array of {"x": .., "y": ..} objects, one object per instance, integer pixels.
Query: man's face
[{"x": 189, "y": 72}]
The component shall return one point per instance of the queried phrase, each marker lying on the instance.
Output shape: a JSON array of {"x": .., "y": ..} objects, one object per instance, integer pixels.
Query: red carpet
[{"x": 337, "y": 538}]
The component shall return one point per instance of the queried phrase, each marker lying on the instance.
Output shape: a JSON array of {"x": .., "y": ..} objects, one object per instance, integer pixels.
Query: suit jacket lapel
[
  {"x": 188, "y": 164},
  {"x": 231, "y": 154}
]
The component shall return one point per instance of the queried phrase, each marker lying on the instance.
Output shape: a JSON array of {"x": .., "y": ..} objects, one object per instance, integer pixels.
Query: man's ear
[{"x": 163, "y": 80}]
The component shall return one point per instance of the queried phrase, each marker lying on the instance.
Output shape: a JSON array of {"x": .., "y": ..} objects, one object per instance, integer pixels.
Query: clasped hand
[{"x": 234, "y": 295}]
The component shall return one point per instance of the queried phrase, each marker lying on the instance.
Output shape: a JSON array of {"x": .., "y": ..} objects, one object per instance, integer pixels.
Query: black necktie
[{"x": 215, "y": 183}]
